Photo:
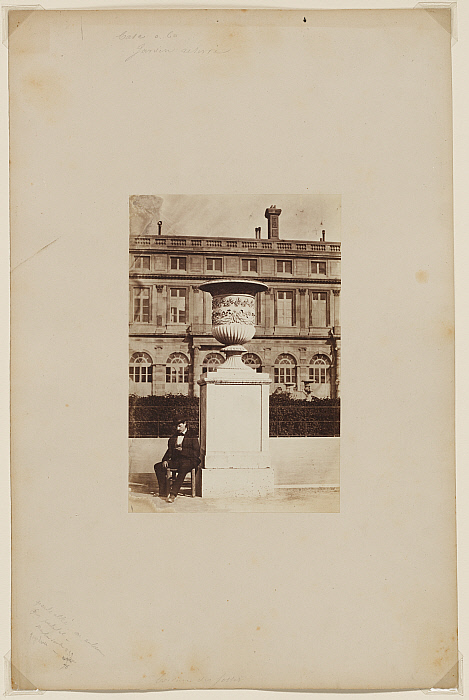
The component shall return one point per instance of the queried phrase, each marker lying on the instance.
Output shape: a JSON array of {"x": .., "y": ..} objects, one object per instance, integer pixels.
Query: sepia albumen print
[{"x": 234, "y": 353}]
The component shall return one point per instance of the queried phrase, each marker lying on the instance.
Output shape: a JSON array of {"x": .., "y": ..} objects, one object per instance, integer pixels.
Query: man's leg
[
  {"x": 160, "y": 472},
  {"x": 178, "y": 481}
]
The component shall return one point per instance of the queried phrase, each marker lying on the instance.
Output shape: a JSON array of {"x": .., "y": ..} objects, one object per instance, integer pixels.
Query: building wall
[
  {"x": 170, "y": 318},
  {"x": 297, "y": 461}
]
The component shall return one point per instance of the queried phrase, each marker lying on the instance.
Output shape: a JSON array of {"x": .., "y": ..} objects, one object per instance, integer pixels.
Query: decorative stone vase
[{"x": 233, "y": 317}]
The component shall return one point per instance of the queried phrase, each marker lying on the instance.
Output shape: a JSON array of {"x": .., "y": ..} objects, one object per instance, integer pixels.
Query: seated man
[{"x": 182, "y": 455}]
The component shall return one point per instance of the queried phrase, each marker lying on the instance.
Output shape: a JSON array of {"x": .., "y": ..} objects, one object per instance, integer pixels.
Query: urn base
[
  {"x": 234, "y": 431},
  {"x": 234, "y": 360}
]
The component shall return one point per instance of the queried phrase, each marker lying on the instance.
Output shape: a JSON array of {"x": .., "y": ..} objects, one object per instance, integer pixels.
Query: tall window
[
  {"x": 140, "y": 367},
  {"x": 141, "y": 296},
  {"x": 319, "y": 309},
  {"x": 285, "y": 369},
  {"x": 214, "y": 264},
  {"x": 253, "y": 361},
  {"x": 141, "y": 262},
  {"x": 211, "y": 362},
  {"x": 318, "y": 268},
  {"x": 249, "y": 265},
  {"x": 285, "y": 316},
  {"x": 178, "y": 305},
  {"x": 284, "y": 266},
  {"x": 178, "y": 263},
  {"x": 177, "y": 369},
  {"x": 319, "y": 369}
]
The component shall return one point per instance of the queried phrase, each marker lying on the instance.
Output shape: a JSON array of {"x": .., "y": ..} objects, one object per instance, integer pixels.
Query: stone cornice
[
  {"x": 208, "y": 239},
  {"x": 245, "y": 247},
  {"x": 204, "y": 339},
  {"x": 279, "y": 280}
]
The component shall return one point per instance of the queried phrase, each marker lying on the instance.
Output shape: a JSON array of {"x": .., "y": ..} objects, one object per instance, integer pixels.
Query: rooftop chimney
[
  {"x": 323, "y": 234},
  {"x": 272, "y": 214},
  {"x": 258, "y": 232}
]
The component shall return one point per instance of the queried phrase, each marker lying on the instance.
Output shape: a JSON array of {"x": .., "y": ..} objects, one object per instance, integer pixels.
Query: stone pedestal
[{"x": 234, "y": 433}]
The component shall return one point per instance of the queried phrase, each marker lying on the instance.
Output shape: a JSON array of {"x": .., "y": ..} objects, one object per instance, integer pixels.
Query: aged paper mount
[{"x": 365, "y": 598}]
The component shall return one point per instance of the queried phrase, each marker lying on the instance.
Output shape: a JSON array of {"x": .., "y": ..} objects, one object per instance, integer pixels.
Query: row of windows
[
  {"x": 142, "y": 262},
  {"x": 284, "y": 309},
  {"x": 177, "y": 367}
]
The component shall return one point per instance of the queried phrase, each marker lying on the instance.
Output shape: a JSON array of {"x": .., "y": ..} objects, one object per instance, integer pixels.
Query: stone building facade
[{"x": 297, "y": 338}]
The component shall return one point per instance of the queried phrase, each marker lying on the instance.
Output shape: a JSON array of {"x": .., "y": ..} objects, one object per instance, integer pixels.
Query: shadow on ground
[{"x": 143, "y": 498}]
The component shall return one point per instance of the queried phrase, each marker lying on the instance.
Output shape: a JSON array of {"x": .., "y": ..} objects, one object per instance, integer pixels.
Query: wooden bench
[{"x": 171, "y": 473}]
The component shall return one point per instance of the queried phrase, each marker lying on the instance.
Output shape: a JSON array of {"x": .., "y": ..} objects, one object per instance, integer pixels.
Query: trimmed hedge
[
  {"x": 153, "y": 416},
  {"x": 289, "y": 417}
]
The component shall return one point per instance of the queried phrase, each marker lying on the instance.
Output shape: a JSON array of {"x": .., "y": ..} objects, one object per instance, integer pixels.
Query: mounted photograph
[
  {"x": 234, "y": 353},
  {"x": 183, "y": 183}
]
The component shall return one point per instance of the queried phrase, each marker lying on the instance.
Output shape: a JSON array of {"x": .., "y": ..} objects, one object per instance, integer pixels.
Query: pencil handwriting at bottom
[
  {"x": 59, "y": 634},
  {"x": 67, "y": 660},
  {"x": 208, "y": 681}
]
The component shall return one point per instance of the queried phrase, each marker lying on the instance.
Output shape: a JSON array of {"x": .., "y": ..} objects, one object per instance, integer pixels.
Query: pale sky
[{"x": 236, "y": 216}]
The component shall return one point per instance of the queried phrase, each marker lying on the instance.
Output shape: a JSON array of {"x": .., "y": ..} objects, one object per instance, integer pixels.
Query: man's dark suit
[{"x": 183, "y": 461}]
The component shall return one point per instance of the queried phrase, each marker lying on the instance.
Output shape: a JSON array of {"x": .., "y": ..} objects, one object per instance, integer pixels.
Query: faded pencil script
[
  {"x": 56, "y": 632},
  {"x": 156, "y": 158}
]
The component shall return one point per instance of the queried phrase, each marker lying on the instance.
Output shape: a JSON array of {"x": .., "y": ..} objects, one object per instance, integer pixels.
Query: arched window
[
  {"x": 177, "y": 369},
  {"x": 211, "y": 362},
  {"x": 253, "y": 361},
  {"x": 319, "y": 369},
  {"x": 285, "y": 369},
  {"x": 140, "y": 367}
]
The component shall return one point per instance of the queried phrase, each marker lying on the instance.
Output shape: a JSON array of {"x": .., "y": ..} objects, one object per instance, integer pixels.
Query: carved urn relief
[{"x": 233, "y": 316}]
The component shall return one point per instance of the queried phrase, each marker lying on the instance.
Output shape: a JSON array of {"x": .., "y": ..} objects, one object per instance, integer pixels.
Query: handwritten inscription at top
[
  {"x": 165, "y": 42},
  {"x": 125, "y": 35}
]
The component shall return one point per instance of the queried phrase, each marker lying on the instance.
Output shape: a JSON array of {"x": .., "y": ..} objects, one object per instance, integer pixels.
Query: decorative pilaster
[
  {"x": 303, "y": 316},
  {"x": 302, "y": 369},
  {"x": 337, "y": 369},
  {"x": 267, "y": 366},
  {"x": 269, "y": 311},
  {"x": 195, "y": 372},
  {"x": 207, "y": 311},
  {"x": 158, "y": 310},
  {"x": 263, "y": 320},
  {"x": 197, "y": 309},
  {"x": 190, "y": 307},
  {"x": 336, "y": 324},
  {"x": 159, "y": 369},
  {"x": 163, "y": 304}
]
